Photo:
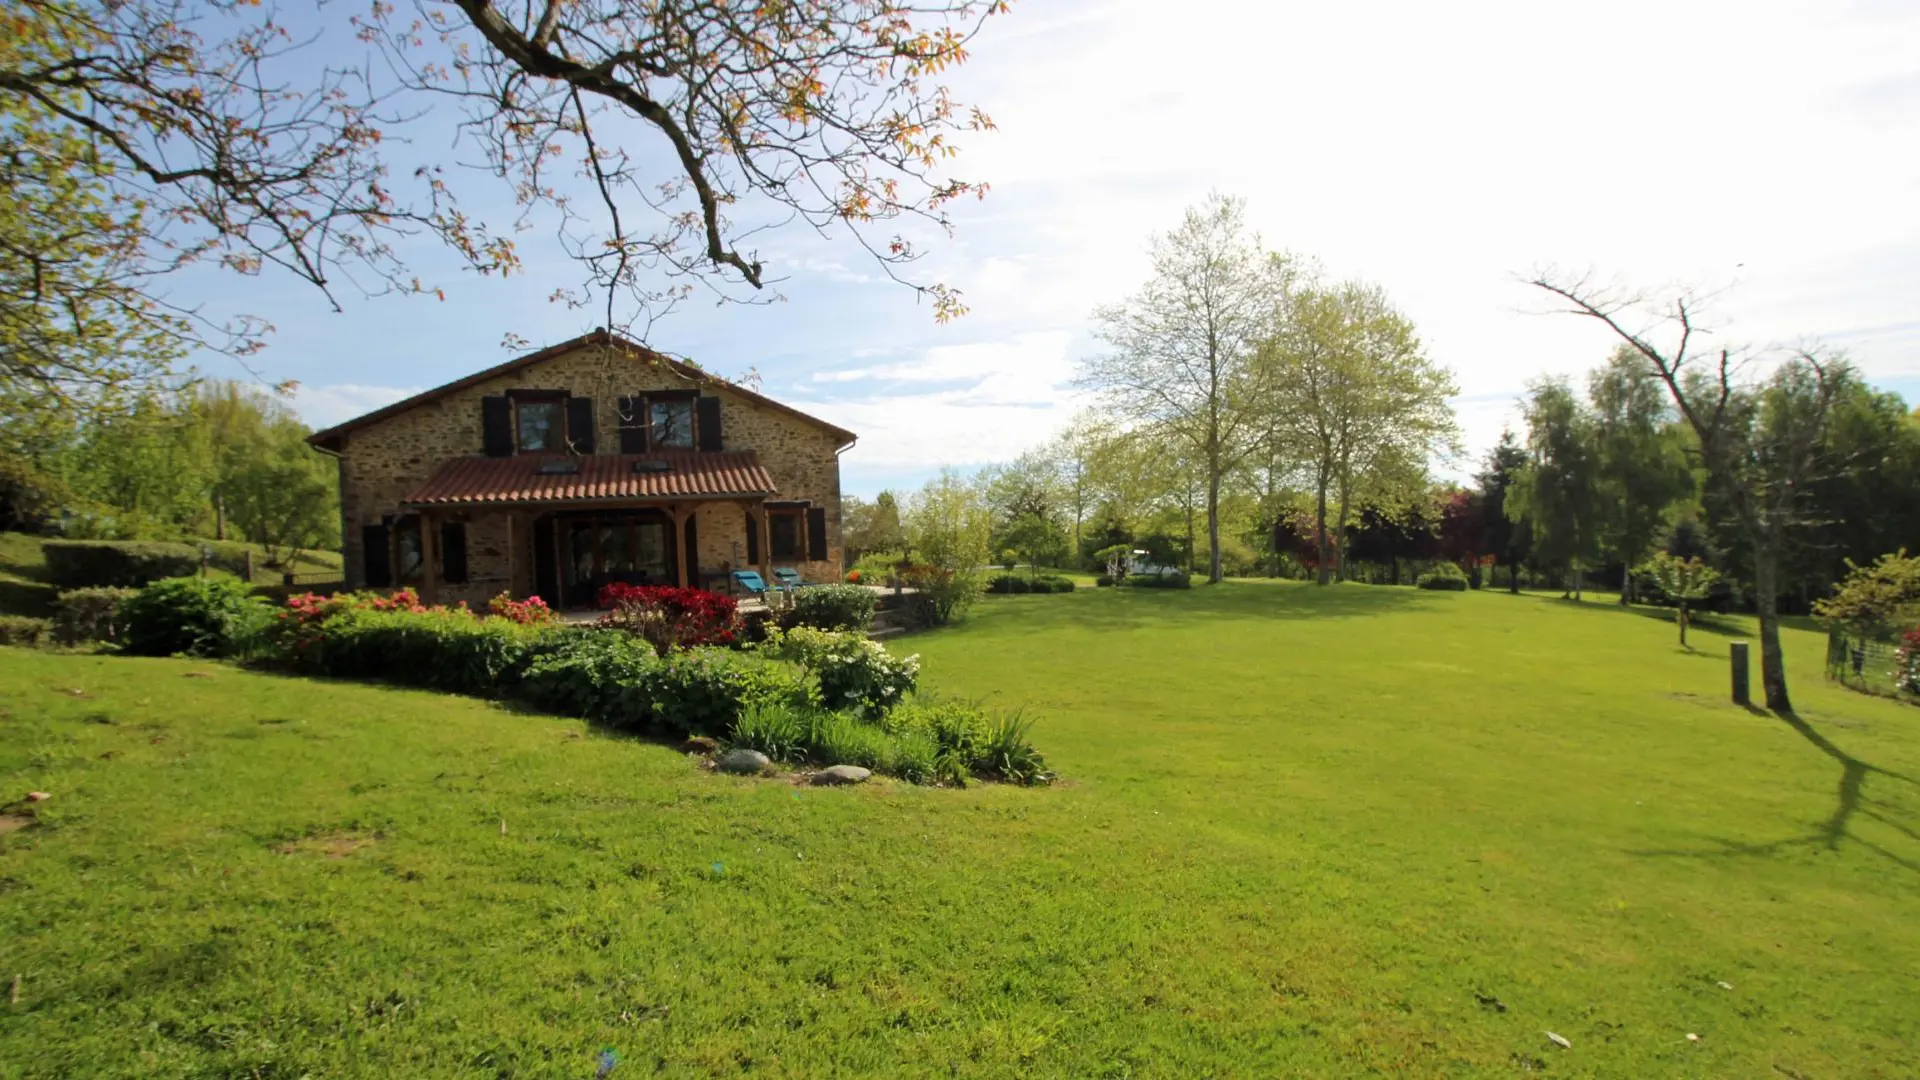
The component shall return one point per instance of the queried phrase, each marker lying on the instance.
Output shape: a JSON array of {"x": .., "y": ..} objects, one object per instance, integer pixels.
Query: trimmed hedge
[
  {"x": 25, "y": 630},
  {"x": 80, "y": 564},
  {"x": 834, "y": 607},
  {"x": 95, "y": 614},
  {"x": 1179, "y": 579},
  {"x": 1444, "y": 577},
  {"x": 1019, "y": 584}
]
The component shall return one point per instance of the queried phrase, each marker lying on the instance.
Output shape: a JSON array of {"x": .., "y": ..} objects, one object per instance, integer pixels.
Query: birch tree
[{"x": 1181, "y": 350}]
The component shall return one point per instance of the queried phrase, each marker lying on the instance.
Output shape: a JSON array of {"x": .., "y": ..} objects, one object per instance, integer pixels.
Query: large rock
[
  {"x": 842, "y": 774},
  {"x": 744, "y": 761}
]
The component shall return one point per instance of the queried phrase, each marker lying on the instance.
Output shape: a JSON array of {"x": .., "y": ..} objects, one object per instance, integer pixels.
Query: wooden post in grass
[{"x": 1738, "y": 652}]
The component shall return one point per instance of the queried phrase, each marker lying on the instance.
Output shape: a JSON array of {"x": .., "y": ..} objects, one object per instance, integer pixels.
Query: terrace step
[{"x": 881, "y": 633}]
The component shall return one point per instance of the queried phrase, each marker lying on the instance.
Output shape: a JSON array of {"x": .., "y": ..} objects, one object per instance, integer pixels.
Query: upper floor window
[
  {"x": 670, "y": 423},
  {"x": 540, "y": 426}
]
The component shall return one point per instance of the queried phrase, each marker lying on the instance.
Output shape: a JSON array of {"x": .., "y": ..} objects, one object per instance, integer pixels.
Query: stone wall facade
[{"x": 383, "y": 461}]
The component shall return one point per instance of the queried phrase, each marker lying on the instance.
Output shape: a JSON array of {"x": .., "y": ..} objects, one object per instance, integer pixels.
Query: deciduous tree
[
  {"x": 1181, "y": 350},
  {"x": 1760, "y": 440}
]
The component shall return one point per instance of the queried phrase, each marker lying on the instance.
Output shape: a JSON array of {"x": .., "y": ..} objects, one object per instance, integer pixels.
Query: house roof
[
  {"x": 596, "y": 478},
  {"x": 329, "y": 438}
]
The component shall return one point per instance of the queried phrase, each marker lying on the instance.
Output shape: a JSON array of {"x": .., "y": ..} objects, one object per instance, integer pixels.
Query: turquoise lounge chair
[
  {"x": 791, "y": 579},
  {"x": 751, "y": 581}
]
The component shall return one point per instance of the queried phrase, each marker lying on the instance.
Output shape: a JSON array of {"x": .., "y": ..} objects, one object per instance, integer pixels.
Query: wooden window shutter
[
  {"x": 753, "y": 540},
  {"x": 633, "y": 425},
  {"x": 375, "y": 557},
  {"x": 496, "y": 426},
  {"x": 453, "y": 552},
  {"x": 707, "y": 423},
  {"x": 580, "y": 424},
  {"x": 817, "y": 534}
]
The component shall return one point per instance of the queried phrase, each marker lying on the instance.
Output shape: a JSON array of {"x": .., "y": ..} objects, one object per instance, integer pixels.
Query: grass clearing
[{"x": 1303, "y": 832}]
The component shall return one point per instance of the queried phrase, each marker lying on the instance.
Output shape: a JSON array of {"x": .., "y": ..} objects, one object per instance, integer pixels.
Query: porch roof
[{"x": 543, "y": 479}]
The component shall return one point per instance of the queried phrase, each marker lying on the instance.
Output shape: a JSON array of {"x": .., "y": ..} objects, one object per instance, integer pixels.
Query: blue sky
[{"x": 1769, "y": 149}]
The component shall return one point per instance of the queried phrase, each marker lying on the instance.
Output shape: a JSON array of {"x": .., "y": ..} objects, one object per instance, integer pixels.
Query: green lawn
[{"x": 1303, "y": 833}]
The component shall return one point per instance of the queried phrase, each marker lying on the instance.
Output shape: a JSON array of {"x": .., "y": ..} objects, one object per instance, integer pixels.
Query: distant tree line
[{"x": 214, "y": 459}]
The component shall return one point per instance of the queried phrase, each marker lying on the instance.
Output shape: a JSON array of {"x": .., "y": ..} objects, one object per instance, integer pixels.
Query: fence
[{"x": 1872, "y": 666}]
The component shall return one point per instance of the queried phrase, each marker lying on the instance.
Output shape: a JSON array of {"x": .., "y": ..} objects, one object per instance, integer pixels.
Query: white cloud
[
  {"x": 325, "y": 406},
  {"x": 950, "y": 404}
]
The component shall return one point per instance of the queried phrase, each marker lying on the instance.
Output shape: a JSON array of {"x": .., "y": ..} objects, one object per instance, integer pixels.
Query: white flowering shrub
[{"x": 855, "y": 672}]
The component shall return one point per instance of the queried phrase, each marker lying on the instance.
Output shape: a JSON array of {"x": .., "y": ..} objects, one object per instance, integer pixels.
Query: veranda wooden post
[
  {"x": 679, "y": 512},
  {"x": 1738, "y": 653},
  {"x": 429, "y": 559},
  {"x": 763, "y": 523}
]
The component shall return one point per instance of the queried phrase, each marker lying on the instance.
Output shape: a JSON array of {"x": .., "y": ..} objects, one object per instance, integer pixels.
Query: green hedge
[
  {"x": 1020, "y": 584},
  {"x": 775, "y": 699},
  {"x": 191, "y": 616},
  {"x": 1444, "y": 577},
  {"x": 834, "y": 607},
  {"x": 79, "y": 564},
  {"x": 25, "y": 630},
  {"x": 95, "y": 614}
]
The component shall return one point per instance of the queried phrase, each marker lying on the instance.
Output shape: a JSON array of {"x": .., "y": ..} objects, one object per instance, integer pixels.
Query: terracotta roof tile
[{"x": 488, "y": 481}]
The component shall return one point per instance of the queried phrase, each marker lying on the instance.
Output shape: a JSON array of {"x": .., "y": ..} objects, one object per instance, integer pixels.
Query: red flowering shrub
[
  {"x": 670, "y": 617},
  {"x": 532, "y": 611},
  {"x": 853, "y": 577},
  {"x": 299, "y": 627}
]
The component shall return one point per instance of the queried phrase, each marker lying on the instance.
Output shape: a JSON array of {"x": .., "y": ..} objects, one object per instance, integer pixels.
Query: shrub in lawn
[
  {"x": 775, "y": 730},
  {"x": 853, "y": 670},
  {"x": 190, "y": 616},
  {"x": 834, "y": 607},
  {"x": 841, "y": 739},
  {"x": 1005, "y": 751},
  {"x": 1444, "y": 577},
  {"x": 1172, "y": 579},
  {"x": 1052, "y": 583},
  {"x": 83, "y": 615},
  {"x": 1103, "y": 581},
  {"x": 25, "y": 630},
  {"x": 79, "y": 564},
  {"x": 580, "y": 671},
  {"x": 916, "y": 758},
  {"x": 1008, "y": 583},
  {"x": 669, "y": 617},
  {"x": 703, "y": 691}
]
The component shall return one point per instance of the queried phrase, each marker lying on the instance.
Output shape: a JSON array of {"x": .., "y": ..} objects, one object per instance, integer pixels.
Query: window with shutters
[
  {"x": 670, "y": 423},
  {"x": 409, "y": 558},
  {"x": 540, "y": 425},
  {"x": 785, "y": 527}
]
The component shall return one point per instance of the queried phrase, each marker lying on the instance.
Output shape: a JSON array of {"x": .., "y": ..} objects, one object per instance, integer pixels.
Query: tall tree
[
  {"x": 1761, "y": 443},
  {"x": 1345, "y": 380},
  {"x": 1641, "y": 469},
  {"x": 1558, "y": 493},
  {"x": 1507, "y": 539},
  {"x": 1182, "y": 348}
]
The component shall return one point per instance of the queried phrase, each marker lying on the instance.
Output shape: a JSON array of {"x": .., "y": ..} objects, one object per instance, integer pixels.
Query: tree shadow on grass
[
  {"x": 1133, "y": 608},
  {"x": 1851, "y": 801},
  {"x": 1697, "y": 622}
]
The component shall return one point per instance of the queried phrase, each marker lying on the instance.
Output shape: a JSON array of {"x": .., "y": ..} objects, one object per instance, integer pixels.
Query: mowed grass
[{"x": 1331, "y": 832}]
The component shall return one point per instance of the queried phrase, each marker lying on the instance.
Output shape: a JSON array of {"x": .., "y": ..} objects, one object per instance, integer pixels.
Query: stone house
[{"x": 591, "y": 461}]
